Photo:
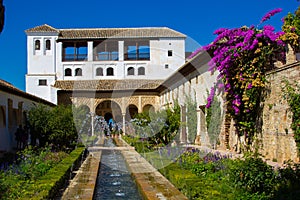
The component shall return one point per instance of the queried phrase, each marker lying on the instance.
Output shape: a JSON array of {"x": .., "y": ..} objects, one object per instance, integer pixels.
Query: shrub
[{"x": 254, "y": 175}]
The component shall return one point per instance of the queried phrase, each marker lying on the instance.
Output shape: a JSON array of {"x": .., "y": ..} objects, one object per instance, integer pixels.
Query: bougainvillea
[{"x": 242, "y": 56}]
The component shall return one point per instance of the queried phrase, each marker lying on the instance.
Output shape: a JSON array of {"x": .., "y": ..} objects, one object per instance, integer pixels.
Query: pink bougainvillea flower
[
  {"x": 249, "y": 86},
  {"x": 270, "y": 14}
]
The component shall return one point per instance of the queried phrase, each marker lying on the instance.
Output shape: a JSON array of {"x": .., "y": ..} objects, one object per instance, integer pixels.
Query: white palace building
[
  {"x": 99, "y": 54},
  {"x": 116, "y": 72}
]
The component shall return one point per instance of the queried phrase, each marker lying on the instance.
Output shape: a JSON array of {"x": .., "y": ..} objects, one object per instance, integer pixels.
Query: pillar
[
  {"x": 124, "y": 123},
  {"x": 90, "y": 51}
]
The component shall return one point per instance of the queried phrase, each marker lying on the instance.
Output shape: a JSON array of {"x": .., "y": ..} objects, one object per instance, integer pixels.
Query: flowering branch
[{"x": 270, "y": 14}]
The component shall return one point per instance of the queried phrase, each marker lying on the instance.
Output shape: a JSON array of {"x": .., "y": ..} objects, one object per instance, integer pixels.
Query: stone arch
[
  {"x": 131, "y": 111},
  {"x": 109, "y": 108},
  {"x": 148, "y": 108}
]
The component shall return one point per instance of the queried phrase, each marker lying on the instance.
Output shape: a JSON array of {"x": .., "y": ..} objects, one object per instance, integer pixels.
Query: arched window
[
  {"x": 110, "y": 71},
  {"x": 68, "y": 72},
  {"x": 99, "y": 71},
  {"x": 130, "y": 71},
  {"x": 78, "y": 72},
  {"x": 141, "y": 71},
  {"x": 37, "y": 45},
  {"x": 48, "y": 44}
]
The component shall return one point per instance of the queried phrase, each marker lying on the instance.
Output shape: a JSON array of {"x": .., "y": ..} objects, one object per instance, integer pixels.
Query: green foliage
[
  {"x": 191, "y": 113},
  {"x": 201, "y": 175},
  {"x": 156, "y": 129},
  {"x": 291, "y": 28},
  {"x": 292, "y": 95},
  {"x": 53, "y": 125},
  {"x": 253, "y": 175},
  {"x": 39, "y": 175},
  {"x": 34, "y": 163}
]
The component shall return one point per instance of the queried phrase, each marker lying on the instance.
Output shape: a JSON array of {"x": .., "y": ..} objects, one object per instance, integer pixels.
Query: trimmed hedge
[{"x": 48, "y": 186}]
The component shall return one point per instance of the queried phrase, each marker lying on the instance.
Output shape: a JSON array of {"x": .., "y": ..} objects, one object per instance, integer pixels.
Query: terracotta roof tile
[
  {"x": 103, "y": 33},
  {"x": 42, "y": 28},
  {"x": 7, "y": 87},
  {"x": 118, "y": 33},
  {"x": 107, "y": 85}
]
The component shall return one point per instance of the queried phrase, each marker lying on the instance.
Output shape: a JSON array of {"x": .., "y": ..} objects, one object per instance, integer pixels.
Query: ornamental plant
[
  {"x": 242, "y": 56},
  {"x": 291, "y": 28},
  {"x": 292, "y": 95}
]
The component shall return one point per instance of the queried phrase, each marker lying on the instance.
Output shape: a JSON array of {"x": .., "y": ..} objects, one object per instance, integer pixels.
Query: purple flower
[
  {"x": 236, "y": 109},
  {"x": 220, "y": 30},
  {"x": 293, "y": 29},
  {"x": 210, "y": 97},
  {"x": 249, "y": 86},
  {"x": 270, "y": 14}
]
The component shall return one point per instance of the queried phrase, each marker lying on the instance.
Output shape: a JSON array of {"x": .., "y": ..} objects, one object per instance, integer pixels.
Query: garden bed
[{"x": 36, "y": 183}]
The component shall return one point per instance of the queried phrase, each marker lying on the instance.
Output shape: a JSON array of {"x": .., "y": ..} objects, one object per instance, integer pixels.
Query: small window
[
  {"x": 141, "y": 71},
  {"x": 68, "y": 72},
  {"x": 78, "y": 72},
  {"x": 37, "y": 45},
  {"x": 110, "y": 71},
  {"x": 130, "y": 71},
  {"x": 48, "y": 44},
  {"x": 99, "y": 71},
  {"x": 170, "y": 53},
  {"x": 166, "y": 66},
  {"x": 42, "y": 82}
]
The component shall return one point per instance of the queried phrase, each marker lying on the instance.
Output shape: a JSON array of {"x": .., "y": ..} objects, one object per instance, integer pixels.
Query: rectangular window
[
  {"x": 42, "y": 82},
  {"x": 106, "y": 50},
  {"x": 170, "y": 53},
  {"x": 137, "y": 50},
  {"x": 74, "y": 51}
]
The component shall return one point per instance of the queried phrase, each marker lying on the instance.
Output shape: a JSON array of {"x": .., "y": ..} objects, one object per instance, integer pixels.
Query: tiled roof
[
  {"x": 7, "y": 87},
  {"x": 107, "y": 85},
  {"x": 4, "y": 83},
  {"x": 42, "y": 28},
  {"x": 118, "y": 33},
  {"x": 103, "y": 33}
]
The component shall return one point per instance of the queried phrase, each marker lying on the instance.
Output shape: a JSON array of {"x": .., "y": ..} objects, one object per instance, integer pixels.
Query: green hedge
[{"x": 48, "y": 185}]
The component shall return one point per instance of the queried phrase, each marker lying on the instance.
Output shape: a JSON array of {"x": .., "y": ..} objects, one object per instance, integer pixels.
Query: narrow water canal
[{"x": 114, "y": 180}]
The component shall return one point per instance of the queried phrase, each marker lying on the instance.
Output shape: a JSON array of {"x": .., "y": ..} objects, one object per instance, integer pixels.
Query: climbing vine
[
  {"x": 242, "y": 56},
  {"x": 292, "y": 95}
]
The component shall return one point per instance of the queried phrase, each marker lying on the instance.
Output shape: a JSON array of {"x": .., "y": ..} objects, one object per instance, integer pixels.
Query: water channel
[{"x": 114, "y": 181}]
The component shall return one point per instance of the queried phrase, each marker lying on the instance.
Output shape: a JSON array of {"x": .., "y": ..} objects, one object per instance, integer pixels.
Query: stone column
[
  {"x": 121, "y": 50},
  {"x": 124, "y": 123},
  {"x": 140, "y": 109}
]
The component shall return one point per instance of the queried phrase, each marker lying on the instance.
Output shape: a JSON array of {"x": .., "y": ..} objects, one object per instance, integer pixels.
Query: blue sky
[{"x": 195, "y": 18}]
